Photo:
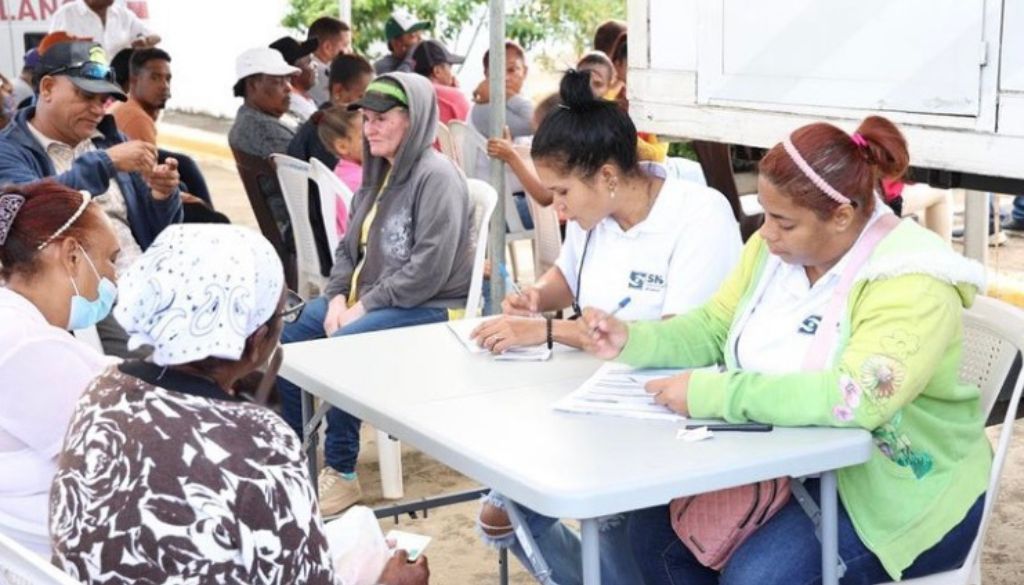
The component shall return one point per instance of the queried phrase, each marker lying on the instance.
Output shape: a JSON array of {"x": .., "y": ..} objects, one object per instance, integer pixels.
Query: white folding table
[{"x": 492, "y": 421}]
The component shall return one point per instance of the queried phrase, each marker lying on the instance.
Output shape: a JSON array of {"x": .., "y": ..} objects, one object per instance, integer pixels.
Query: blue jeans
[
  {"x": 785, "y": 551},
  {"x": 560, "y": 547},
  {"x": 1018, "y": 208},
  {"x": 341, "y": 445}
]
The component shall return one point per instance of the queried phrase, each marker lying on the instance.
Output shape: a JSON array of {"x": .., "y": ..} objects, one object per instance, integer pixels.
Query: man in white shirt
[
  {"x": 113, "y": 26},
  {"x": 334, "y": 38}
]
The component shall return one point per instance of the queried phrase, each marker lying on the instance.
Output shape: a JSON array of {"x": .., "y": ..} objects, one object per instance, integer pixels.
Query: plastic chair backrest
[
  {"x": 328, "y": 183},
  {"x": 457, "y": 129},
  {"x": 482, "y": 199},
  {"x": 20, "y": 566},
  {"x": 444, "y": 138},
  {"x": 476, "y": 165},
  {"x": 547, "y": 235},
  {"x": 257, "y": 172},
  {"x": 293, "y": 176},
  {"x": 993, "y": 335}
]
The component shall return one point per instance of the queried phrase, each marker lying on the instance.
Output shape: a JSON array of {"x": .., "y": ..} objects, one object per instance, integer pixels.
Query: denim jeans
[
  {"x": 560, "y": 547},
  {"x": 1018, "y": 208},
  {"x": 785, "y": 551},
  {"x": 341, "y": 445}
]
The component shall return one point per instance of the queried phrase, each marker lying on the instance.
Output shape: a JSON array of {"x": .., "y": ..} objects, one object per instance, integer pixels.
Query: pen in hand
[{"x": 622, "y": 305}]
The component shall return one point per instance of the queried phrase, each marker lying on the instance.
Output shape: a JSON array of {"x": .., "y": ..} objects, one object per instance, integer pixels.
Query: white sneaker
[{"x": 337, "y": 494}]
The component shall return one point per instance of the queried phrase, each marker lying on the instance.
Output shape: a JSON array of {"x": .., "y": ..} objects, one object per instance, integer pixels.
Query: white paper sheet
[{"x": 618, "y": 390}]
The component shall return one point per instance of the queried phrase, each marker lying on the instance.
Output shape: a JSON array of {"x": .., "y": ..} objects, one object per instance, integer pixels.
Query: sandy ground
[{"x": 458, "y": 558}]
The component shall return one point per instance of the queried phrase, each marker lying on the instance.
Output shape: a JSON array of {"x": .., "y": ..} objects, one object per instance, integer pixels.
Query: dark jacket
[{"x": 23, "y": 160}]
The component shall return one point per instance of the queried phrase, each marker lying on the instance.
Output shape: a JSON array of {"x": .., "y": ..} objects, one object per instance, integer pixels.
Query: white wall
[{"x": 203, "y": 38}]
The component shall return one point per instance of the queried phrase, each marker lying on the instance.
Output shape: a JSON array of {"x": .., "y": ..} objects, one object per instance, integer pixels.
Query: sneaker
[
  {"x": 1014, "y": 225},
  {"x": 994, "y": 239},
  {"x": 337, "y": 494}
]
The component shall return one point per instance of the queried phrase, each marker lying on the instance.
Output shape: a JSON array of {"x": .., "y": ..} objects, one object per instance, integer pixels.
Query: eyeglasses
[
  {"x": 293, "y": 306},
  {"x": 88, "y": 70}
]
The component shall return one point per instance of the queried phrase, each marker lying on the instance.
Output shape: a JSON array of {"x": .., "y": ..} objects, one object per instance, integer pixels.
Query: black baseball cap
[
  {"x": 292, "y": 50},
  {"x": 84, "y": 63},
  {"x": 381, "y": 95},
  {"x": 429, "y": 53}
]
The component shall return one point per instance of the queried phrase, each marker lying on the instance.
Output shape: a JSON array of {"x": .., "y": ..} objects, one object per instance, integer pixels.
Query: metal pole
[
  {"x": 829, "y": 529},
  {"x": 591, "y": 553},
  {"x": 345, "y": 11},
  {"x": 496, "y": 69},
  {"x": 976, "y": 222}
]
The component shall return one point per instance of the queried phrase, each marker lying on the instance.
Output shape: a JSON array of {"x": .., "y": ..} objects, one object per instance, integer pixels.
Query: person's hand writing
[
  {"x": 134, "y": 156},
  {"x": 604, "y": 336},
  {"x": 671, "y": 392},
  {"x": 399, "y": 571},
  {"x": 164, "y": 179},
  {"x": 522, "y": 305},
  {"x": 503, "y": 333}
]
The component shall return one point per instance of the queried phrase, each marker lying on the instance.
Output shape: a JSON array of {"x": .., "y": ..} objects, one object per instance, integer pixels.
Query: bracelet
[{"x": 551, "y": 339}]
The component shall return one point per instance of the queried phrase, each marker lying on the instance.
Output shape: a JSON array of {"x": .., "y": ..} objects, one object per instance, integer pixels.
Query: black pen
[{"x": 744, "y": 427}]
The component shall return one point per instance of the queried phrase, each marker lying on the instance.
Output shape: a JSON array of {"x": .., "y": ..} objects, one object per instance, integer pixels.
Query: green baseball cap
[
  {"x": 381, "y": 95},
  {"x": 401, "y": 22}
]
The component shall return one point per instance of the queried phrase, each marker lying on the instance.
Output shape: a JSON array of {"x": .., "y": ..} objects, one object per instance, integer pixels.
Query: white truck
[{"x": 748, "y": 72}]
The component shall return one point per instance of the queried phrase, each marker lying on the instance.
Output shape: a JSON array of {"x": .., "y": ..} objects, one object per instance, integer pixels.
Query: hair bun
[{"x": 576, "y": 92}]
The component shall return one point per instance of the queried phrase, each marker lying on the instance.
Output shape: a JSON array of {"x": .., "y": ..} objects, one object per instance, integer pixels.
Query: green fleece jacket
[{"x": 893, "y": 372}]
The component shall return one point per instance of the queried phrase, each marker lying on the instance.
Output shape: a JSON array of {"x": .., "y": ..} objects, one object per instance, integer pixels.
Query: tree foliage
[{"x": 527, "y": 21}]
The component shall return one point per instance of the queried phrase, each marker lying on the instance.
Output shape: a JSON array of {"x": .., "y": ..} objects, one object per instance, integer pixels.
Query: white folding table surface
[{"x": 492, "y": 421}]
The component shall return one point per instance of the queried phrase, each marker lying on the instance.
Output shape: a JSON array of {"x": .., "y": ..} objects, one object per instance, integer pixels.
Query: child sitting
[{"x": 341, "y": 132}]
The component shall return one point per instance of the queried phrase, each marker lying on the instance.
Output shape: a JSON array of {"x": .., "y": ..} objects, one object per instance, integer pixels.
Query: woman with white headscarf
[{"x": 166, "y": 476}]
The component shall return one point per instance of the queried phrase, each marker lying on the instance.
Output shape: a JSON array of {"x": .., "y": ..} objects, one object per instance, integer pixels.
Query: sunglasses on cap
[
  {"x": 87, "y": 70},
  {"x": 293, "y": 306}
]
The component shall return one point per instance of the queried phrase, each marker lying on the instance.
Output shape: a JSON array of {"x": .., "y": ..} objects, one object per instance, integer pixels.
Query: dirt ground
[{"x": 458, "y": 558}]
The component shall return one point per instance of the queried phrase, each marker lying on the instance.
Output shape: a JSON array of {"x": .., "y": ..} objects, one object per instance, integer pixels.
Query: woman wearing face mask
[
  {"x": 57, "y": 250},
  {"x": 839, "y": 315}
]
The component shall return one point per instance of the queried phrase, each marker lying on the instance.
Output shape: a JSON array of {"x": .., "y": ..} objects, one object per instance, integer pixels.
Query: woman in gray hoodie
[{"x": 405, "y": 260}]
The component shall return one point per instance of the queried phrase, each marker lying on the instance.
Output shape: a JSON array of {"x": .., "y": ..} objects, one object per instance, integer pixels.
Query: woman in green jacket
[{"x": 887, "y": 363}]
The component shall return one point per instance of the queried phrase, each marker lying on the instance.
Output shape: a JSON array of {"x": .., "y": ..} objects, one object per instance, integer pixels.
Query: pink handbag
[{"x": 715, "y": 524}]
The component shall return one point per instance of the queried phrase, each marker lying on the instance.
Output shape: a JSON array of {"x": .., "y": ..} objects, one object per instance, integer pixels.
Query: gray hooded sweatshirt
[{"x": 418, "y": 252}]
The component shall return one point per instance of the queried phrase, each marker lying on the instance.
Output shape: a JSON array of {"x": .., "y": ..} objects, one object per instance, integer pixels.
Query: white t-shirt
[
  {"x": 43, "y": 371},
  {"x": 669, "y": 263},
  {"x": 776, "y": 334},
  {"x": 78, "y": 20}
]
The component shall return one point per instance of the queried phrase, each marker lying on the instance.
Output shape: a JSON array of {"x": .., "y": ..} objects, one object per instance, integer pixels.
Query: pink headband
[{"x": 813, "y": 176}]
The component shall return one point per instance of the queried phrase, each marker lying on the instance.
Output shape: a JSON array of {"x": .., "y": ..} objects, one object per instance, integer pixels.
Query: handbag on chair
[{"x": 715, "y": 524}]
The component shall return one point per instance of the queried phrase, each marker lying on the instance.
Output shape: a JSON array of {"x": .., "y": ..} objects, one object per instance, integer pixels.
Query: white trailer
[{"x": 949, "y": 72}]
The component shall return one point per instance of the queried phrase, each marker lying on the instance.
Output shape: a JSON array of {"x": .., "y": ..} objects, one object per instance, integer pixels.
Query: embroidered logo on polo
[
  {"x": 810, "y": 325},
  {"x": 646, "y": 281}
]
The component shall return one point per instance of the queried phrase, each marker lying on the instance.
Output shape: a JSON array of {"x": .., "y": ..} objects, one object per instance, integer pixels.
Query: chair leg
[
  {"x": 389, "y": 451},
  {"x": 514, "y": 259}
]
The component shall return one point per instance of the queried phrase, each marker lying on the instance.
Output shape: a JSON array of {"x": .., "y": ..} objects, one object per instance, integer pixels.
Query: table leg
[
  {"x": 591, "y": 552},
  {"x": 976, "y": 209},
  {"x": 829, "y": 529},
  {"x": 307, "y": 415},
  {"x": 503, "y": 566}
]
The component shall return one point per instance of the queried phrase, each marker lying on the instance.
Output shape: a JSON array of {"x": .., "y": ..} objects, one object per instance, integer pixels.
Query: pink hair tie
[
  {"x": 859, "y": 139},
  {"x": 814, "y": 177}
]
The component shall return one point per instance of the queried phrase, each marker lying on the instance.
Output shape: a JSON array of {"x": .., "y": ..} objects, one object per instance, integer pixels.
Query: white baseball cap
[{"x": 262, "y": 60}]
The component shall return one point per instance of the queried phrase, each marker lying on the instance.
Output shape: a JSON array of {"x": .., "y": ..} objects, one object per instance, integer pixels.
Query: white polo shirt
[
  {"x": 78, "y": 20},
  {"x": 776, "y": 334},
  {"x": 669, "y": 263},
  {"x": 43, "y": 371}
]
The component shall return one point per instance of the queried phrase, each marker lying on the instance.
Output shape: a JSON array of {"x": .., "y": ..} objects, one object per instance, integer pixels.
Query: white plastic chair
[
  {"x": 482, "y": 200},
  {"x": 993, "y": 334},
  {"x": 448, "y": 147},
  {"x": 475, "y": 163},
  {"x": 293, "y": 176},
  {"x": 328, "y": 183},
  {"x": 20, "y": 566},
  {"x": 547, "y": 235}
]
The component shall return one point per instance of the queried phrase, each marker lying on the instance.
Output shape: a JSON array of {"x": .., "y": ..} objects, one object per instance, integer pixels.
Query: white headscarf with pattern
[{"x": 199, "y": 291}]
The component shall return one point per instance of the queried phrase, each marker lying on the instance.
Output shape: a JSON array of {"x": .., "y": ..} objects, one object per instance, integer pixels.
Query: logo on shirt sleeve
[
  {"x": 810, "y": 325},
  {"x": 646, "y": 281}
]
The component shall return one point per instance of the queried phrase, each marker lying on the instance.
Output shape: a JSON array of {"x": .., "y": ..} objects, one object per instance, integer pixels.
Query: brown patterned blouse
[{"x": 166, "y": 479}]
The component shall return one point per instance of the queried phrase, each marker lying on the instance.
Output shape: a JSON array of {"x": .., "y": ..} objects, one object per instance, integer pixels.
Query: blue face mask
[{"x": 86, "y": 313}]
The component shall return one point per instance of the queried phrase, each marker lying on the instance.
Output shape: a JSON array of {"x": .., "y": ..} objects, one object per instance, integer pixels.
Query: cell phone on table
[{"x": 412, "y": 544}]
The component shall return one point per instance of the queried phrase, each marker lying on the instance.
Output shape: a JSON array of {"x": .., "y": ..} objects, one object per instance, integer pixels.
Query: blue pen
[{"x": 622, "y": 305}]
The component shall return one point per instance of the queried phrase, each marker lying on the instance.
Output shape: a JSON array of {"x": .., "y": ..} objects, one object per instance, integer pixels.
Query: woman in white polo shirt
[
  {"x": 57, "y": 249},
  {"x": 663, "y": 243}
]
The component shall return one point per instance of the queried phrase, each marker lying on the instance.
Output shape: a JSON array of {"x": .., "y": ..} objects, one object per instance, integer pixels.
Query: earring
[{"x": 611, "y": 193}]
